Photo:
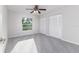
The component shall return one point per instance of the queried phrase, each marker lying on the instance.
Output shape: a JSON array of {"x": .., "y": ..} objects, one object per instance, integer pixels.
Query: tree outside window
[{"x": 26, "y": 23}]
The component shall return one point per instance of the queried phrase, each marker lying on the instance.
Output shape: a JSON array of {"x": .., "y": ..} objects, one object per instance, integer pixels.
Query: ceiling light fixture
[{"x": 36, "y": 9}]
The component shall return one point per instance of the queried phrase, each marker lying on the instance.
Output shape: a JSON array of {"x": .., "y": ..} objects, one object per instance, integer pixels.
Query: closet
[
  {"x": 55, "y": 26},
  {"x": 51, "y": 26}
]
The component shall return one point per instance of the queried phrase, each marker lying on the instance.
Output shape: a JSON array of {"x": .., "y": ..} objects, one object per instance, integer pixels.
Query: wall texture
[{"x": 15, "y": 24}]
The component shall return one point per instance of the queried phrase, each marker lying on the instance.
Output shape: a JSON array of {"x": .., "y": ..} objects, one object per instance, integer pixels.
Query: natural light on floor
[{"x": 25, "y": 46}]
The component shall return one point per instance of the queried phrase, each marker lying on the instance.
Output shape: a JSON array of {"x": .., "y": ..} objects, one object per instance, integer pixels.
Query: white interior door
[{"x": 55, "y": 26}]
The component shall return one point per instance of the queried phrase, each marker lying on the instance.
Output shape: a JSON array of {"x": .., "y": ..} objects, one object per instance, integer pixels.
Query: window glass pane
[{"x": 26, "y": 23}]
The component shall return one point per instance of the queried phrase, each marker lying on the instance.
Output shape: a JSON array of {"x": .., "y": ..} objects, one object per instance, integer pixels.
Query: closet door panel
[{"x": 55, "y": 26}]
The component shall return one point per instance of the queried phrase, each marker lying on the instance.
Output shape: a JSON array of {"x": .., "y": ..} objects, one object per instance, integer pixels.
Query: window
[{"x": 26, "y": 23}]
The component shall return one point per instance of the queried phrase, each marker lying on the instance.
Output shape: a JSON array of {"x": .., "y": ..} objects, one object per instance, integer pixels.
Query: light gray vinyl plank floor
[{"x": 44, "y": 44}]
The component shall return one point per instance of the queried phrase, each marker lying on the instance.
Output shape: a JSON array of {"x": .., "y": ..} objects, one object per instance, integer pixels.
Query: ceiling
[{"x": 21, "y": 8}]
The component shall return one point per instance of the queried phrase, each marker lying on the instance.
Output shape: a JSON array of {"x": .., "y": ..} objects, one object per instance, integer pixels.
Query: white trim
[{"x": 70, "y": 41}]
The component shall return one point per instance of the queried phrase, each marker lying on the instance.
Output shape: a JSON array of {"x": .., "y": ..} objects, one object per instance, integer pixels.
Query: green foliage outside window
[{"x": 26, "y": 23}]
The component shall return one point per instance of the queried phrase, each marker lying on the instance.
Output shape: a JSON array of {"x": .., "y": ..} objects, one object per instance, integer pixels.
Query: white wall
[
  {"x": 44, "y": 25},
  {"x": 3, "y": 21},
  {"x": 70, "y": 17},
  {"x": 71, "y": 24},
  {"x": 5, "y": 15},
  {"x": 3, "y": 26},
  {"x": 15, "y": 24},
  {"x": 0, "y": 21}
]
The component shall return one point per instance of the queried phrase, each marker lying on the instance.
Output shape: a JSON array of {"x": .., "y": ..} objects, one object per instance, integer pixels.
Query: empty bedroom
[{"x": 39, "y": 28}]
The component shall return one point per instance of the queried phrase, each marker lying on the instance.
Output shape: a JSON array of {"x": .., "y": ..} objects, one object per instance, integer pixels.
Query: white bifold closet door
[{"x": 55, "y": 26}]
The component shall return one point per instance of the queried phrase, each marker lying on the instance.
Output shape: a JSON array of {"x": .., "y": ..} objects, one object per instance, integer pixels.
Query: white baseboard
[
  {"x": 71, "y": 41},
  {"x": 76, "y": 43}
]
